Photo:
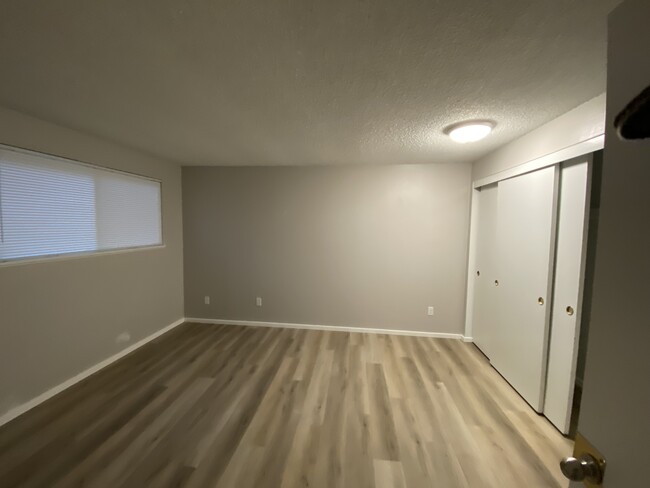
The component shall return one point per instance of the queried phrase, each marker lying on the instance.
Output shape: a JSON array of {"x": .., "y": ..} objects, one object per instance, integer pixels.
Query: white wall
[
  {"x": 367, "y": 246},
  {"x": 578, "y": 125},
  {"x": 60, "y": 317}
]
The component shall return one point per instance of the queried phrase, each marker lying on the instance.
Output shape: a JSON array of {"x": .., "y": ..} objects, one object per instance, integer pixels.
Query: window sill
[{"x": 76, "y": 255}]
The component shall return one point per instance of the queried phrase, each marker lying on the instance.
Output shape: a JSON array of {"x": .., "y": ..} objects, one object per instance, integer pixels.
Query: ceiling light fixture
[{"x": 472, "y": 131}]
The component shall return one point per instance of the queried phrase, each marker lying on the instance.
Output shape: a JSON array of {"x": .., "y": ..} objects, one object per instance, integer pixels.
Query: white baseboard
[
  {"x": 468, "y": 339},
  {"x": 335, "y": 328},
  {"x": 21, "y": 409}
]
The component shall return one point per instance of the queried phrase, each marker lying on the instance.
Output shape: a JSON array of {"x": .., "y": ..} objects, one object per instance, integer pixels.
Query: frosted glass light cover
[{"x": 470, "y": 132}]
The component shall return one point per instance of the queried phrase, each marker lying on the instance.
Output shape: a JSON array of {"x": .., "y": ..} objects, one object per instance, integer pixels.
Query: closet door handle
[
  {"x": 496, "y": 282},
  {"x": 569, "y": 310},
  {"x": 540, "y": 300}
]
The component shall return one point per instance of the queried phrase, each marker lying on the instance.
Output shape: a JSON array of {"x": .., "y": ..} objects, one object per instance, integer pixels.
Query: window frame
[{"x": 7, "y": 149}]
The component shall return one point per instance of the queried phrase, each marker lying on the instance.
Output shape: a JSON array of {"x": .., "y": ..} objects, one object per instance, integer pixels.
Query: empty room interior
[{"x": 324, "y": 244}]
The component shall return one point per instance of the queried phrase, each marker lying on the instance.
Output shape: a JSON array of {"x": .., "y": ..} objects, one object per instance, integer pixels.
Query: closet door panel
[
  {"x": 569, "y": 276},
  {"x": 526, "y": 207},
  {"x": 485, "y": 306}
]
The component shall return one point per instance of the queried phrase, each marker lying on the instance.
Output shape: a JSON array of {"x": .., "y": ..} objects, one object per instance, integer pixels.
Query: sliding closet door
[
  {"x": 526, "y": 207},
  {"x": 567, "y": 293},
  {"x": 485, "y": 306}
]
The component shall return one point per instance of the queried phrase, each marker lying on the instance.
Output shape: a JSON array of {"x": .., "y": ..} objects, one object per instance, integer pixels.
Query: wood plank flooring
[{"x": 236, "y": 407}]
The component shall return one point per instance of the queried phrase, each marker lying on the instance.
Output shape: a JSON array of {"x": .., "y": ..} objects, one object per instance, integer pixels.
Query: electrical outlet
[
  {"x": 206, "y": 300},
  {"x": 258, "y": 301},
  {"x": 430, "y": 311}
]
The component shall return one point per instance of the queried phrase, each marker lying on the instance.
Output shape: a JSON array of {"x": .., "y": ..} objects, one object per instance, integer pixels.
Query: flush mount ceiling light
[{"x": 471, "y": 131}]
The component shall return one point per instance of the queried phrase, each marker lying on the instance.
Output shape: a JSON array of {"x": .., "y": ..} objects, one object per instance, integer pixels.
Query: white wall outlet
[
  {"x": 258, "y": 301},
  {"x": 122, "y": 338},
  {"x": 430, "y": 311},
  {"x": 206, "y": 300}
]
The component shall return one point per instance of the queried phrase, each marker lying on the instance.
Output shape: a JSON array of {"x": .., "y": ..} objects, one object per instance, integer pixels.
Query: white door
[
  {"x": 570, "y": 253},
  {"x": 526, "y": 207},
  {"x": 484, "y": 272},
  {"x": 616, "y": 398}
]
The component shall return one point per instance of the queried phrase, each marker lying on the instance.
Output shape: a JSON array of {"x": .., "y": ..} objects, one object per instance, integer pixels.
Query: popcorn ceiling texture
[{"x": 301, "y": 82}]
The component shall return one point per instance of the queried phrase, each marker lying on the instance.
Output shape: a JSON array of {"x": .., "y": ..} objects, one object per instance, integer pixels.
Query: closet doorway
[{"x": 528, "y": 281}]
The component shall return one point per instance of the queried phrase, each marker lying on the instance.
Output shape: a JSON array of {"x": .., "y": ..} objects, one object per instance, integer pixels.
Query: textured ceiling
[{"x": 300, "y": 81}]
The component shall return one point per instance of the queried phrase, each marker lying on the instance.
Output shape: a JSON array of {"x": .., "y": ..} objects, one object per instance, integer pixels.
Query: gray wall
[
  {"x": 347, "y": 246},
  {"x": 60, "y": 317}
]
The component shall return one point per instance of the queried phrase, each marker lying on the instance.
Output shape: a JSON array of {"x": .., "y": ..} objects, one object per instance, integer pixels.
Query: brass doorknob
[
  {"x": 569, "y": 310},
  {"x": 540, "y": 300},
  {"x": 496, "y": 282},
  {"x": 584, "y": 468}
]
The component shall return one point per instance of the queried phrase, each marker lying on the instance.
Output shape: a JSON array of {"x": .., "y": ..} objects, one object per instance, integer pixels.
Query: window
[{"x": 50, "y": 206}]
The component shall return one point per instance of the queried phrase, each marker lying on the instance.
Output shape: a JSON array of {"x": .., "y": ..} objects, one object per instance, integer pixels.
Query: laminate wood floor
[{"x": 238, "y": 407}]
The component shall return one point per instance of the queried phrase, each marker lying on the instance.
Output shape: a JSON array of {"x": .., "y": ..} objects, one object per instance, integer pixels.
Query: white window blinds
[{"x": 51, "y": 206}]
